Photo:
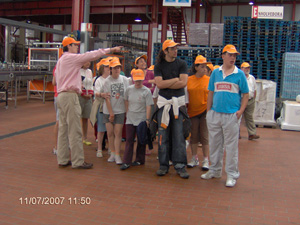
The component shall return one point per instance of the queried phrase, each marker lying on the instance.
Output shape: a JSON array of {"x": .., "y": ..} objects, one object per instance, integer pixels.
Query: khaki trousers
[
  {"x": 248, "y": 115},
  {"x": 69, "y": 131}
]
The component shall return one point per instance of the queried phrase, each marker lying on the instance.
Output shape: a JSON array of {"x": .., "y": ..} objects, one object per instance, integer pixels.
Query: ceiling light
[
  {"x": 201, "y": 5},
  {"x": 251, "y": 3},
  {"x": 138, "y": 19}
]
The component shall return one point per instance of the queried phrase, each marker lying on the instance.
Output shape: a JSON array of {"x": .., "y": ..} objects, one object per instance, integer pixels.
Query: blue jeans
[{"x": 171, "y": 142}]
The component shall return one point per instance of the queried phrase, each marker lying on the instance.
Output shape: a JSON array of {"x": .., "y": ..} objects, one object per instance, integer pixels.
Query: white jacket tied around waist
[{"x": 175, "y": 102}]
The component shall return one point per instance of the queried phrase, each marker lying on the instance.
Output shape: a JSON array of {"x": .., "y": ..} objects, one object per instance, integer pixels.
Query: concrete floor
[{"x": 267, "y": 191}]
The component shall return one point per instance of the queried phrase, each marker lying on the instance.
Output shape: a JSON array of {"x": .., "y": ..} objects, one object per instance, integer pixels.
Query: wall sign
[
  {"x": 187, "y": 3},
  {"x": 267, "y": 12}
]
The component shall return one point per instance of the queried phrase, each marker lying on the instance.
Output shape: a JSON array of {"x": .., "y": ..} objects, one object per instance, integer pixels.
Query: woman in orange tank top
[{"x": 197, "y": 94}]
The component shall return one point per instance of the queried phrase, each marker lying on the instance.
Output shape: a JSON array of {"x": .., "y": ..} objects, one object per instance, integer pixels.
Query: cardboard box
[{"x": 265, "y": 103}]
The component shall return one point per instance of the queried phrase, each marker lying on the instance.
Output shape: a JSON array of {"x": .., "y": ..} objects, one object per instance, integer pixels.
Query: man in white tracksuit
[{"x": 225, "y": 105}]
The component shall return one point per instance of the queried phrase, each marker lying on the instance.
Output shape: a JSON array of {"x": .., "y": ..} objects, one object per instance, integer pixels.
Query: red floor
[{"x": 266, "y": 193}]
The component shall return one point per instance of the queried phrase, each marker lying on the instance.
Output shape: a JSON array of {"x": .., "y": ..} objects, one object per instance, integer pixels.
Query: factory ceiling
[{"x": 51, "y": 12}]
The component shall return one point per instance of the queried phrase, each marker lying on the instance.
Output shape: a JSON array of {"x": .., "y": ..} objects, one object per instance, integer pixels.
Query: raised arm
[{"x": 93, "y": 55}]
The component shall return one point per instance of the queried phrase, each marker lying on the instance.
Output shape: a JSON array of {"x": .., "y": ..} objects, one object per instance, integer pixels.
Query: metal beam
[
  {"x": 31, "y": 26},
  {"x": 120, "y": 2},
  {"x": 258, "y": 3},
  {"x": 127, "y": 10}
]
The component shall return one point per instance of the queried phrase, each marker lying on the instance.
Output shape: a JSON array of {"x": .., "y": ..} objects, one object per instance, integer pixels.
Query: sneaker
[
  {"x": 135, "y": 163},
  {"x": 87, "y": 142},
  {"x": 111, "y": 158},
  {"x": 194, "y": 162},
  {"x": 69, "y": 163},
  {"x": 118, "y": 159},
  {"x": 230, "y": 182},
  {"x": 54, "y": 151},
  {"x": 170, "y": 163},
  {"x": 205, "y": 165},
  {"x": 84, "y": 165},
  {"x": 210, "y": 175},
  {"x": 182, "y": 173},
  {"x": 124, "y": 166},
  {"x": 252, "y": 137},
  {"x": 99, "y": 154},
  {"x": 161, "y": 171}
]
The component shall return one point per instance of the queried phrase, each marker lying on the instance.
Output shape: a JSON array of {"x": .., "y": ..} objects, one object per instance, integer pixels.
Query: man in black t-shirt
[{"x": 171, "y": 76}]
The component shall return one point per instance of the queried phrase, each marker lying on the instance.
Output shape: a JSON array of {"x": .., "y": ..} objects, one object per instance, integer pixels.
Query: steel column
[
  {"x": 152, "y": 25},
  {"x": 197, "y": 20},
  {"x": 208, "y": 11},
  {"x": 164, "y": 21},
  {"x": 84, "y": 46},
  {"x": 149, "y": 47},
  {"x": 293, "y": 10},
  {"x": 7, "y": 44},
  {"x": 77, "y": 14}
]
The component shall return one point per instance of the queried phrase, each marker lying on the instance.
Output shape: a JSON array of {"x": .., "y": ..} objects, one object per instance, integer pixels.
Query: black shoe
[
  {"x": 84, "y": 165},
  {"x": 69, "y": 163},
  {"x": 124, "y": 166},
  {"x": 182, "y": 173},
  {"x": 135, "y": 163},
  {"x": 161, "y": 172}
]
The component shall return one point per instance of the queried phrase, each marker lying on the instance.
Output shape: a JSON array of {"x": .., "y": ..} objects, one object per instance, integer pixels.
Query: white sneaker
[
  {"x": 99, "y": 154},
  {"x": 205, "y": 165},
  {"x": 230, "y": 182},
  {"x": 194, "y": 162},
  {"x": 118, "y": 159},
  {"x": 210, "y": 175},
  {"x": 111, "y": 157},
  {"x": 170, "y": 163},
  {"x": 54, "y": 151}
]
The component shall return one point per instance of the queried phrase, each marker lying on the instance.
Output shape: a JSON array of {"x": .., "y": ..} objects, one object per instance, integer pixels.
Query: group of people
[{"x": 205, "y": 107}]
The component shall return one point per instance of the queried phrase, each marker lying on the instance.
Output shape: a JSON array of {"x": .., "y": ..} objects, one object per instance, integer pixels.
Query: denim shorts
[{"x": 100, "y": 124}]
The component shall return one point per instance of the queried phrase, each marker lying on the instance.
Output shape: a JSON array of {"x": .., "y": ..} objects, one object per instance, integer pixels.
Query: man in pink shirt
[{"x": 68, "y": 82}]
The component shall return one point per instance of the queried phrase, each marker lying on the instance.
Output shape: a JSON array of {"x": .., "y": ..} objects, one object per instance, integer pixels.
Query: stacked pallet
[
  {"x": 262, "y": 43},
  {"x": 290, "y": 83}
]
